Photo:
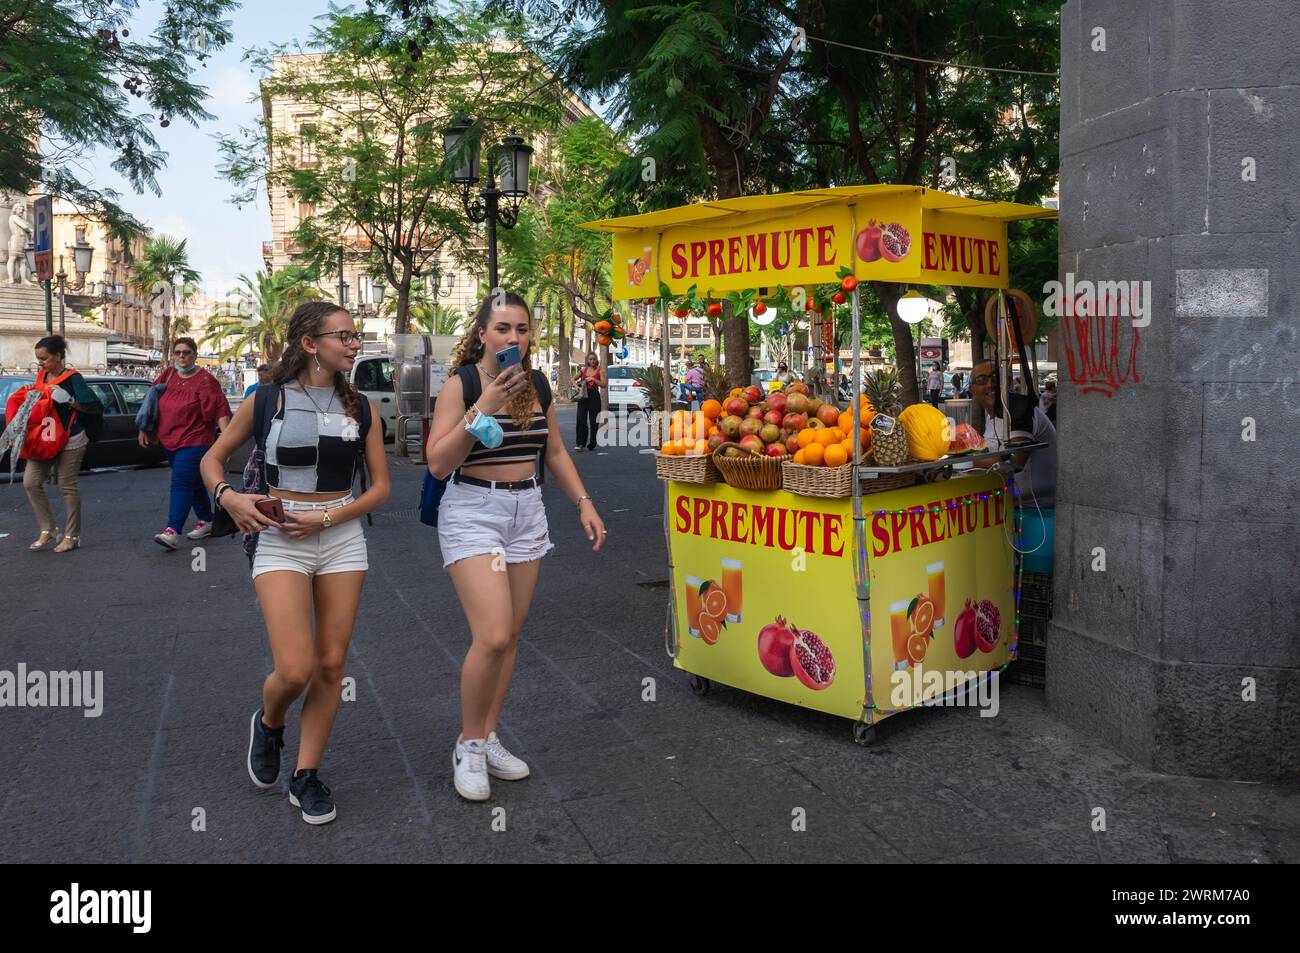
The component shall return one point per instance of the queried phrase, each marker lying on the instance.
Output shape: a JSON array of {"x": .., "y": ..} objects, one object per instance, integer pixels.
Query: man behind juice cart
[{"x": 1036, "y": 478}]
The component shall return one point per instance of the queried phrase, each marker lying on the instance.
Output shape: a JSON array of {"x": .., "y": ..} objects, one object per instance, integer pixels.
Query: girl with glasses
[
  {"x": 190, "y": 409},
  {"x": 321, "y": 431}
]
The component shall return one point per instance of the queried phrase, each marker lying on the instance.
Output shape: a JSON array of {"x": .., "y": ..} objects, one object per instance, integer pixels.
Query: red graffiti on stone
[{"x": 1093, "y": 347}]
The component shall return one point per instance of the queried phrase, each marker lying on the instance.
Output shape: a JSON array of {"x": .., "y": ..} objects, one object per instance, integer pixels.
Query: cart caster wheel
[
  {"x": 700, "y": 686},
  {"x": 864, "y": 735}
]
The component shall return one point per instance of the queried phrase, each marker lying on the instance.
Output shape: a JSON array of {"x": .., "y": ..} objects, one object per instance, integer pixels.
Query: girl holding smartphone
[
  {"x": 315, "y": 558},
  {"x": 492, "y": 428}
]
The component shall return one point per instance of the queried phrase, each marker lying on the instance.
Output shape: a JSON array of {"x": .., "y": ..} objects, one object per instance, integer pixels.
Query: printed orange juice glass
[
  {"x": 732, "y": 587},
  {"x": 934, "y": 577},
  {"x": 899, "y": 627},
  {"x": 693, "y": 605}
]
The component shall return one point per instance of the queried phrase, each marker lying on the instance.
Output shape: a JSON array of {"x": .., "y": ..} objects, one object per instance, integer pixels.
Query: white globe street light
[{"x": 913, "y": 307}]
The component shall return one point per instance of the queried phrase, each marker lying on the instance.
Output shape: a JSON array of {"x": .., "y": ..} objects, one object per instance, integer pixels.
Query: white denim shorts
[
  {"x": 340, "y": 548},
  {"x": 476, "y": 520}
]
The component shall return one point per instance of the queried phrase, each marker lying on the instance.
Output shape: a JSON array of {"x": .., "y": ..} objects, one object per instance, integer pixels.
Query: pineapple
[{"x": 883, "y": 391}]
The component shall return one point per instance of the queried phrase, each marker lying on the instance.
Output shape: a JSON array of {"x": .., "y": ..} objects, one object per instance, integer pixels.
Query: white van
[{"x": 372, "y": 374}]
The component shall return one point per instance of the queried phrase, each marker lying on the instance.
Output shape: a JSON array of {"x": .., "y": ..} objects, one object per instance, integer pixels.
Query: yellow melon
[{"x": 927, "y": 431}]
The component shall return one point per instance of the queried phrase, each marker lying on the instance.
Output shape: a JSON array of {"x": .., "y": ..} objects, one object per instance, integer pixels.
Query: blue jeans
[{"x": 188, "y": 491}]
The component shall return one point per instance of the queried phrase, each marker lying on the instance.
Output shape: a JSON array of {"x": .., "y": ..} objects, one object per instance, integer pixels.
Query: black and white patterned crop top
[{"x": 519, "y": 444}]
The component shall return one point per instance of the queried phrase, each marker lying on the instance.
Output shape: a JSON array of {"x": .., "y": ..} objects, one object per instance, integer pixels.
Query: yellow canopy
[{"x": 901, "y": 233}]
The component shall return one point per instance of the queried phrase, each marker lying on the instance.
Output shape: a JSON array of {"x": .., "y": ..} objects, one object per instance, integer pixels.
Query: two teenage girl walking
[{"x": 316, "y": 433}]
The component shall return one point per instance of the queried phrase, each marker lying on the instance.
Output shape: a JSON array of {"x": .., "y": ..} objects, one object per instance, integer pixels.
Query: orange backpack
[{"x": 46, "y": 434}]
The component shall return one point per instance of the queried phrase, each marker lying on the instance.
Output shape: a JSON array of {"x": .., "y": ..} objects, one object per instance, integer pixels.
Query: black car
[{"x": 121, "y": 397}]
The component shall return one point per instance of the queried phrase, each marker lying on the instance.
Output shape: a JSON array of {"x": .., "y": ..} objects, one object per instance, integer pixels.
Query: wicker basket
[
  {"x": 833, "y": 482},
  {"x": 693, "y": 469},
  {"x": 887, "y": 481},
  {"x": 749, "y": 472}
]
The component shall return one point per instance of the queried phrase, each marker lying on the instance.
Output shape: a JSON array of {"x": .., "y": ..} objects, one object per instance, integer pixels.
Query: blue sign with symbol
[
  {"x": 43, "y": 237},
  {"x": 622, "y": 355}
]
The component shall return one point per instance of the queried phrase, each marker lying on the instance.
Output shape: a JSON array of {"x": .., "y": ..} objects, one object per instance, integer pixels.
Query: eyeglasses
[
  {"x": 346, "y": 338},
  {"x": 180, "y": 353},
  {"x": 982, "y": 379}
]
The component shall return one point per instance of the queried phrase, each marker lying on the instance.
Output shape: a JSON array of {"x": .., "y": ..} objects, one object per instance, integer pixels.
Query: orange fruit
[
  {"x": 923, "y": 616},
  {"x": 712, "y": 431},
  {"x": 917, "y": 645},
  {"x": 711, "y": 409},
  {"x": 799, "y": 457},
  {"x": 846, "y": 421},
  {"x": 839, "y": 434},
  {"x": 836, "y": 455},
  {"x": 714, "y": 600},
  {"x": 805, "y": 437},
  {"x": 826, "y": 436},
  {"x": 867, "y": 412},
  {"x": 814, "y": 454},
  {"x": 736, "y": 392},
  {"x": 710, "y": 628}
]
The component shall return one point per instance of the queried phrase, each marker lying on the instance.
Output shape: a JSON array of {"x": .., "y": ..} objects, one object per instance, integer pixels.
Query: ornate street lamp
[{"x": 511, "y": 161}]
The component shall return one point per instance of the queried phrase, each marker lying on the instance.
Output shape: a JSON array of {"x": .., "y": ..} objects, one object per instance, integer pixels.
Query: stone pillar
[{"x": 1180, "y": 440}]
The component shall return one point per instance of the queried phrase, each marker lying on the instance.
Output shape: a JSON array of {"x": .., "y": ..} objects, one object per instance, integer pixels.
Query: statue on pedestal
[{"x": 20, "y": 234}]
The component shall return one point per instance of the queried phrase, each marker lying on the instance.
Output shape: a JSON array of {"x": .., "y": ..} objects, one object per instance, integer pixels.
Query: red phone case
[{"x": 271, "y": 508}]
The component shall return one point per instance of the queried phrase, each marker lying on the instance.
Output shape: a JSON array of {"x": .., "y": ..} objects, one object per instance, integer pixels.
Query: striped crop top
[{"x": 518, "y": 444}]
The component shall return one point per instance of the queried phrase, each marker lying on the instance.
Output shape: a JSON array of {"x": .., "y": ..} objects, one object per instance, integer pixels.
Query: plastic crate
[{"x": 1035, "y": 616}]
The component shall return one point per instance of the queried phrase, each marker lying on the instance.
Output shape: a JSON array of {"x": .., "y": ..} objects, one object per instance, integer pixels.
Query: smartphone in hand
[
  {"x": 271, "y": 508},
  {"x": 508, "y": 358}
]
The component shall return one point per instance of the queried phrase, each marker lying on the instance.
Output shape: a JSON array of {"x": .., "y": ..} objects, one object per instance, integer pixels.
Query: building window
[{"x": 307, "y": 144}]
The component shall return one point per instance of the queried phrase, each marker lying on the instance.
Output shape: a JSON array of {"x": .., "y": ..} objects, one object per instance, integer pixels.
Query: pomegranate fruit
[
  {"x": 963, "y": 631},
  {"x": 988, "y": 625},
  {"x": 750, "y": 425},
  {"x": 792, "y": 444},
  {"x": 828, "y": 414},
  {"x": 777, "y": 402},
  {"x": 794, "y": 421},
  {"x": 753, "y": 394},
  {"x": 895, "y": 242},
  {"x": 869, "y": 242},
  {"x": 751, "y": 442},
  {"x": 717, "y": 440},
  {"x": 770, "y": 433},
  {"x": 736, "y": 406},
  {"x": 798, "y": 387},
  {"x": 730, "y": 425},
  {"x": 811, "y": 660},
  {"x": 773, "y": 417},
  {"x": 756, "y": 412},
  {"x": 776, "y": 449},
  {"x": 795, "y": 403},
  {"x": 774, "y": 641}
]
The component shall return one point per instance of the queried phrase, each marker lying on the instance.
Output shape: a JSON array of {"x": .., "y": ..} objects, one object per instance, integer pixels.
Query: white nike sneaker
[
  {"x": 501, "y": 763},
  {"x": 469, "y": 762}
]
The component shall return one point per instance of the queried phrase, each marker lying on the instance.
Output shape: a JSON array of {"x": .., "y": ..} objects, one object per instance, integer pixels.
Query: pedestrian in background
[
  {"x": 321, "y": 433},
  {"x": 695, "y": 382},
  {"x": 590, "y": 381},
  {"x": 72, "y": 400},
  {"x": 935, "y": 384},
  {"x": 263, "y": 377},
  {"x": 489, "y": 442},
  {"x": 957, "y": 379},
  {"x": 190, "y": 410}
]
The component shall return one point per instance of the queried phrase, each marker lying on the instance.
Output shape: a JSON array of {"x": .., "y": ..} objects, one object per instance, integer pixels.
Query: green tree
[
  {"x": 692, "y": 85},
  {"x": 70, "y": 71},
  {"x": 372, "y": 165},
  {"x": 166, "y": 275},
  {"x": 255, "y": 316}
]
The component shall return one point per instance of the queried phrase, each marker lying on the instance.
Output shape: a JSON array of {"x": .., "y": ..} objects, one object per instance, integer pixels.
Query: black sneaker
[
  {"x": 307, "y": 792},
  {"x": 264, "y": 746}
]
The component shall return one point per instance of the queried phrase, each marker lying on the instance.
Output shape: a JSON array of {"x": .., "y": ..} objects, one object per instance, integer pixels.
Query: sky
[{"x": 223, "y": 241}]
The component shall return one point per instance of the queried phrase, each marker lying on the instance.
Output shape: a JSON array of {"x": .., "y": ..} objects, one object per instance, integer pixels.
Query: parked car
[
  {"x": 121, "y": 397},
  {"x": 372, "y": 374},
  {"x": 625, "y": 393}
]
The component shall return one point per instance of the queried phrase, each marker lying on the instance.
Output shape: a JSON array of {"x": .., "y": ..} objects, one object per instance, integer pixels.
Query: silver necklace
[{"x": 325, "y": 417}]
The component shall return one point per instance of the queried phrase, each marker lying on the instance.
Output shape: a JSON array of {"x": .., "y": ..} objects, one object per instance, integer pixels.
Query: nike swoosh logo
[{"x": 458, "y": 758}]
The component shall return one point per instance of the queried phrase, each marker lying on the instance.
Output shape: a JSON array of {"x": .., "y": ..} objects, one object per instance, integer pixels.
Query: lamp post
[
  {"x": 513, "y": 157},
  {"x": 912, "y": 308},
  {"x": 433, "y": 282}
]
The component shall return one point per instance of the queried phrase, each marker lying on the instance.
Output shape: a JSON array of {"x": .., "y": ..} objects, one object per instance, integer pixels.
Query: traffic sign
[
  {"x": 622, "y": 355},
  {"x": 43, "y": 238}
]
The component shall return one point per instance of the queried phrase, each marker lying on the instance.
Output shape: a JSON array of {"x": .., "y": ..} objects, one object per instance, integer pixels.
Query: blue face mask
[
  {"x": 487, "y": 430},
  {"x": 184, "y": 370}
]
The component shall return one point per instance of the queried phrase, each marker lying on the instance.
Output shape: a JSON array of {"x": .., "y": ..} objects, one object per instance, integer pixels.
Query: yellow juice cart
[{"x": 868, "y": 604}]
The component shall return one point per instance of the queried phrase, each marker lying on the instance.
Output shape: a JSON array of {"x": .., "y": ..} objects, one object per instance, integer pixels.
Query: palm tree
[
  {"x": 425, "y": 314},
  {"x": 165, "y": 273},
  {"x": 259, "y": 319}
]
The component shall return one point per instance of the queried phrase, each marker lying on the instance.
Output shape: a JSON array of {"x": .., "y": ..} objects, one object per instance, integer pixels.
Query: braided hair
[
  {"x": 470, "y": 350},
  {"x": 306, "y": 322}
]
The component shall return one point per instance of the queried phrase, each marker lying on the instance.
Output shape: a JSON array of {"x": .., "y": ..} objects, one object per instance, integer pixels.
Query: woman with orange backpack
[{"x": 57, "y": 440}]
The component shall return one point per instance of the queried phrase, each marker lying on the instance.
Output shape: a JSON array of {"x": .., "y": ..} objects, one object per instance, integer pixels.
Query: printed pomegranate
[
  {"x": 895, "y": 242},
  {"x": 869, "y": 242},
  {"x": 963, "y": 632},
  {"x": 774, "y": 643},
  {"x": 811, "y": 660},
  {"x": 988, "y": 625}
]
